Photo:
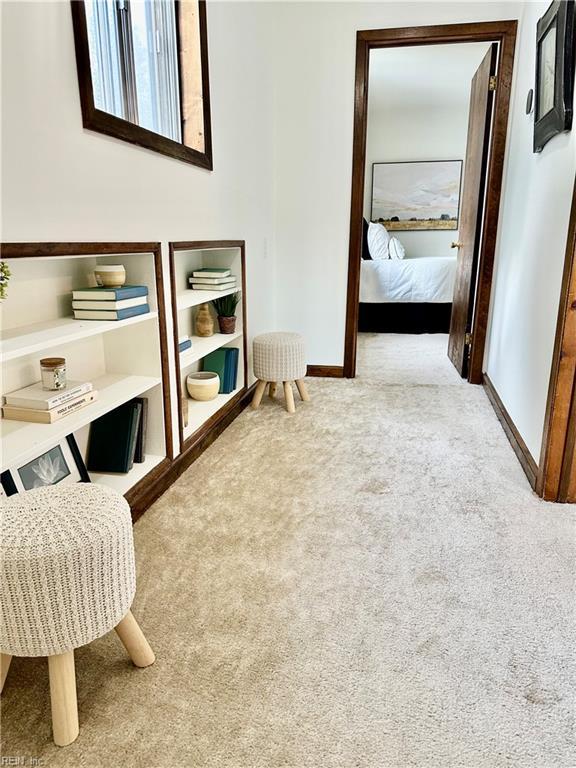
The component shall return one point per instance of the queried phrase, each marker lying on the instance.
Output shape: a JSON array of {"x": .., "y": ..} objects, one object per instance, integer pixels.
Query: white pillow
[
  {"x": 378, "y": 239},
  {"x": 396, "y": 249}
]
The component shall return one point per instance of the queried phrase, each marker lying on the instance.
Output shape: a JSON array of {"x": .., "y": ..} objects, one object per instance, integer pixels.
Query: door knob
[{"x": 457, "y": 244}]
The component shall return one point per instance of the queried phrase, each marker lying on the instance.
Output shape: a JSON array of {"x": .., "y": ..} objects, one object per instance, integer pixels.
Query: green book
[
  {"x": 112, "y": 441},
  {"x": 215, "y": 362}
]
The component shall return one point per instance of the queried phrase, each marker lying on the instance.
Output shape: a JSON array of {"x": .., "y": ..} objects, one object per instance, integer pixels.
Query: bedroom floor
[{"x": 369, "y": 583}]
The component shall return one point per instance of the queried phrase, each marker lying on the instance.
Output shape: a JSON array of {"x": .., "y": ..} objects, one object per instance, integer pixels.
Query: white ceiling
[{"x": 423, "y": 75}]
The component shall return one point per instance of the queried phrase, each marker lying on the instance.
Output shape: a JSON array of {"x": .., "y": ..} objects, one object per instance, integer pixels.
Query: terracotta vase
[
  {"x": 227, "y": 324},
  {"x": 204, "y": 321}
]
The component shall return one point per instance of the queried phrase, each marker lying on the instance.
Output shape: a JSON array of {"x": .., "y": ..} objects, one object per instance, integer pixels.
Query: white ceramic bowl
[
  {"x": 110, "y": 275},
  {"x": 203, "y": 385}
]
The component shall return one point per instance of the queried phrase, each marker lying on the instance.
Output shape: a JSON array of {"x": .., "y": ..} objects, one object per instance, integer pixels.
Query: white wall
[
  {"x": 314, "y": 106},
  {"x": 530, "y": 255},
  {"x": 62, "y": 183},
  {"x": 416, "y": 133},
  {"x": 282, "y": 88}
]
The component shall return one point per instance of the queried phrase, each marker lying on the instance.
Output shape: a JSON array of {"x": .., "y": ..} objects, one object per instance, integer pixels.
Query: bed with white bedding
[{"x": 412, "y": 295}]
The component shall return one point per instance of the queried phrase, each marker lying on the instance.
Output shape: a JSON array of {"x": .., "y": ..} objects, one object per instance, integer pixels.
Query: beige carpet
[{"x": 367, "y": 584}]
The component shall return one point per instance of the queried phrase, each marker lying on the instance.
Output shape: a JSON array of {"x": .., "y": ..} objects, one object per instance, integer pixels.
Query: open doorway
[{"x": 430, "y": 129}]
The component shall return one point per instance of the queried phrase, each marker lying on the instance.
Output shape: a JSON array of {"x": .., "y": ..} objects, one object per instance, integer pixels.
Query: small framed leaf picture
[{"x": 62, "y": 464}]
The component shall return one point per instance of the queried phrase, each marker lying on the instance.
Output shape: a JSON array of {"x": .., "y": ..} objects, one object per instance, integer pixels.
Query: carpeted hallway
[{"x": 367, "y": 584}]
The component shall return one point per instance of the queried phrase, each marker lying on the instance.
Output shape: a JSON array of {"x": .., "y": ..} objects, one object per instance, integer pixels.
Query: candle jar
[{"x": 53, "y": 372}]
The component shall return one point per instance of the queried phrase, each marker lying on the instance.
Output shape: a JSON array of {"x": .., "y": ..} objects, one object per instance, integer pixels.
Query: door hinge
[
  {"x": 468, "y": 339},
  {"x": 493, "y": 82}
]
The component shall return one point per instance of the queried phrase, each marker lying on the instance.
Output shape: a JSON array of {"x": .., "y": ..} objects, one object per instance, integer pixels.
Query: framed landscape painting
[{"x": 420, "y": 195}]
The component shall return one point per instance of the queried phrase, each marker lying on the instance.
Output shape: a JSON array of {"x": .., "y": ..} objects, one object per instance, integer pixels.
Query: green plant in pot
[{"x": 225, "y": 307}]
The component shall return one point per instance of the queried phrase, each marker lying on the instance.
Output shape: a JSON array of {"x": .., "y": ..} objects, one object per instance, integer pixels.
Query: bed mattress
[{"x": 427, "y": 279}]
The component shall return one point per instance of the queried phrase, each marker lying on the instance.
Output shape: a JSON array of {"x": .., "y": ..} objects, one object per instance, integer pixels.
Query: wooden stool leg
[
  {"x": 134, "y": 641},
  {"x": 289, "y": 395},
  {"x": 63, "y": 698},
  {"x": 272, "y": 389},
  {"x": 303, "y": 390},
  {"x": 5, "y": 661},
  {"x": 259, "y": 391}
]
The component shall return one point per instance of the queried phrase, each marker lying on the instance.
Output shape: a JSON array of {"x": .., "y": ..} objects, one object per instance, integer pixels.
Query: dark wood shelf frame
[
  {"x": 190, "y": 445},
  {"x": 141, "y": 495}
]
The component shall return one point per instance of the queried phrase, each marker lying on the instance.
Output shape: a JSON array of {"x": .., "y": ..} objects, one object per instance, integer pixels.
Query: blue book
[
  {"x": 184, "y": 345},
  {"x": 112, "y": 314},
  {"x": 230, "y": 370},
  {"x": 110, "y": 294}
]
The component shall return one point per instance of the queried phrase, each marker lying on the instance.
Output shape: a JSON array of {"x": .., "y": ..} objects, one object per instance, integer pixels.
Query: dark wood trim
[
  {"x": 197, "y": 245},
  {"x": 39, "y": 250},
  {"x": 32, "y": 250},
  {"x": 143, "y": 496},
  {"x": 327, "y": 371},
  {"x": 96, "y": 120},
  {"x": 556, "y": 457},
  {"x": 503, "y": 32},
  {"x": 520, "y": 448}
]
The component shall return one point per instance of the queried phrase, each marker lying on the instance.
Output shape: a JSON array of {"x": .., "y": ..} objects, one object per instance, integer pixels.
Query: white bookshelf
[
  {"x": 202, "y": 346},
  {"x": 122, "y": 360},
  {"x": 19, "y": 342},
  {"x": 185, "y": 258},
  {"x": 199, "y": 412},
  {"x": 193, "y": 298}
]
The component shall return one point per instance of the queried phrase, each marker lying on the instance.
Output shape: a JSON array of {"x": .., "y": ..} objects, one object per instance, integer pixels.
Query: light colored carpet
[{"x": 370, "y": 583}]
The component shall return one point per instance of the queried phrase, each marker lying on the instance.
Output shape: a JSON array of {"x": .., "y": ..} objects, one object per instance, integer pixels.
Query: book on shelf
[
  {"x": 110, "y": 294},
  {"x": 231, "y": 370},
  {"x": 114, "y": 314},
  {"x": 112, "y": 440},
  {"x": 184, "y": 345},
  {"x": 140, "y": 450},
  {"x": 39, "y": 416},
  {"x": 203, "y": 287},
  {"x": 110, "y": 305},
  {"x": 212, "y": 272},
  {"x": 224, "y": 362},
  {"x": 212, "y": 280},
  {"x": 41, "y": 399}
]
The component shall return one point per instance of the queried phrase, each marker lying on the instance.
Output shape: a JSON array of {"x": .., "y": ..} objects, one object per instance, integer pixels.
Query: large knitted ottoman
[
  {"x": 279, "y": 356},
  {"x": 67, "y": 576}
]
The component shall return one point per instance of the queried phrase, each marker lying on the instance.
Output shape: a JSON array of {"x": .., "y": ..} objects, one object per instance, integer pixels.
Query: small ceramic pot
[
  {"x": 227, "y": 324},
  {"x": 203, "y": 386},
  {"x": 110, "y": 275}
]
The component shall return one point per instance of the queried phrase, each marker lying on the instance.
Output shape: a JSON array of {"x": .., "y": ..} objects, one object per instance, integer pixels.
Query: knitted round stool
[
  {"x": 279, "y": 356},
  {"x": 67, "y": 576}
]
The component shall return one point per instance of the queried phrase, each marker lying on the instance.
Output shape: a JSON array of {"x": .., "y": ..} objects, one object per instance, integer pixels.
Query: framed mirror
[{"x": 143, "y": 74}]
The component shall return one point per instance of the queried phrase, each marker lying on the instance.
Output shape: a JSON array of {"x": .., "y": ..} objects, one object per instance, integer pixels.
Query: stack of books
[
  {"x": 118, "y": 438},
  {"x": 184, "y": 343},
  {"x": 224, "y": 362},
  {"x": 110, "y": 303},
  {"x": 212, "y": 279},
  {"x": 43, "y": 406}
]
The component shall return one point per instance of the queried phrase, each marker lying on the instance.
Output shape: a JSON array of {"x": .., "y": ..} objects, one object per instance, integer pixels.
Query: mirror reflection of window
[{"x": 134, "y": 62}]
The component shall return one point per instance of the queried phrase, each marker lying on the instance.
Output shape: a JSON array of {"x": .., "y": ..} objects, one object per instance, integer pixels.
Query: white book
[
  {"x": 182, "y": 339},
  {"x": 211, "y": 272},
  {"x": 202, "y": 287},
  {"x": 212, "y": 280},
  {"x": 110, "y": 305},
  {"x": 43, "y": 399}
]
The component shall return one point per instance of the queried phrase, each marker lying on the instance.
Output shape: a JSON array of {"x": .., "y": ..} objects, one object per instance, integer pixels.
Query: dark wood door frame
[
  {"x": 502, "y": 32},
  {"x": 556, "y": 479}
]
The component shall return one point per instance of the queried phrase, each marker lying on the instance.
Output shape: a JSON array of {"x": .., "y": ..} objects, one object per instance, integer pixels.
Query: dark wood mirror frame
[{"x": 103, "y": 122}]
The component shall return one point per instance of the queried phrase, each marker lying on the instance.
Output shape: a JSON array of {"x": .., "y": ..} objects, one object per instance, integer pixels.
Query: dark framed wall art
[{"x": 554, "y": 91}]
